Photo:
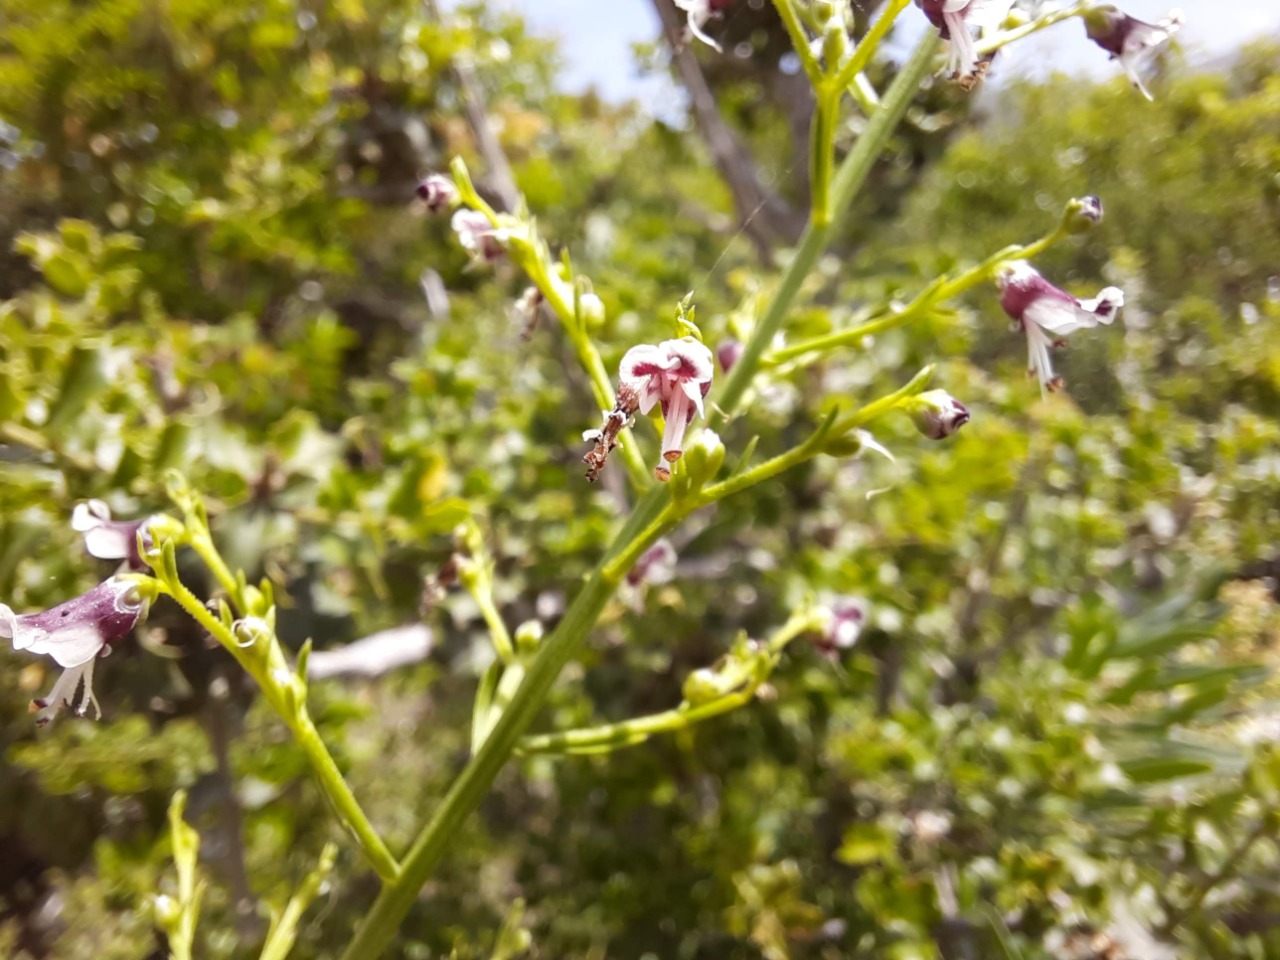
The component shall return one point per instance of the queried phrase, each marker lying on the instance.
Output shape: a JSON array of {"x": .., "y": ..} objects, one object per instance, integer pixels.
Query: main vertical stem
[
  {"x": 379, "y": 927},
  {"x": 852, "y": 174}
]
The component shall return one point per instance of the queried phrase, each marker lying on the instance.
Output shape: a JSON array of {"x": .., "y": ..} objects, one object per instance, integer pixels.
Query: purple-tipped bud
[
  {"x": 1082, "y": 214},
  {"x": 937, "y": 414},
  {"x": 75, "y": 634},
  {"x": 438, "y": 192},
  {"x": 729, "y": 353},
  {"x": 656, "y": 565}
]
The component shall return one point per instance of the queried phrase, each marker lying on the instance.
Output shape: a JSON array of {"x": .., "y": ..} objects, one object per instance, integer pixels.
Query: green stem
[
  {"x": 799, "y": 40},
  {"x": 296, "y": 717},
  {"x": 378, "y": 928},
  {"x": 493, "y": 620},
  {"x": 639, "y": 729},
  {"x": 822, "y": 151},
  {"x": 849, "y": 179},
  {"x": 202, "y": 544},
  {"x": 284, "y": 932},
  {"x": 533, "y": 256},
  {"x": 380, "y": 925},
  {"x": 937, "y": 292},
  {"x": 867, "y": 48},
  {"x": 816, "y": 442},
  {"x": 992, "y": 44}
]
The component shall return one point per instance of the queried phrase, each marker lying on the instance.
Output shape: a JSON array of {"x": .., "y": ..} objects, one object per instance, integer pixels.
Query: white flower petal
[
  {"x": 77, "y": 644},
  {"x": 88, "y": 515},
  {"x": 986, "y": 14},
  {"x": 693, "y": 390},
  {"x": 690, "y": 358}
]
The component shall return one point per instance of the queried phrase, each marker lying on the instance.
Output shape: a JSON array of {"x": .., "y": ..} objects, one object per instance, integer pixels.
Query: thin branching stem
[
  {"x": 378, "y": 928},
  {"x": 936, "y": 293}
]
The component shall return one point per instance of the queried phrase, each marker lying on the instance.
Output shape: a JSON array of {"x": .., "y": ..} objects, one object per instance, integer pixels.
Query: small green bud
[
  {"x": 250, "y": 631},
  {"x": 528, "y": 635},
  {"x": 848, "y": 445},
  {"x": 167, "y": 912},
  {"x": 703, "y": 686},
  {"x": 591, "y": 309},
  {"x": 704, "y": 458}
]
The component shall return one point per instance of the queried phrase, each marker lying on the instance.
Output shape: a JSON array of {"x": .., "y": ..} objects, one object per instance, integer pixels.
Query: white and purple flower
[
  {"x": 1046, "y": 314},
  {"x": 845, "y": 619},
  {"x": 676, "y": 374},
  {"x": 955, "y": 19},
  {"x": 1129, "y": 40},
  {"x": 109, "y": 539},
  {"x": 479, "y": 237},
  {"x": 75, "y": 634}
]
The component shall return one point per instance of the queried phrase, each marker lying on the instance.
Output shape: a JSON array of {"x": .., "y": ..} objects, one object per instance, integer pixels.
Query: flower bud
[
  {"x": 167, "y": 911},
  {"x": 845, "y": 617},
  {"x": 528, "y": 635},
  {"x": 728, "y": 353},
  {"x": 656, "y": 565},
  {"x": 591, "y": 308},
  {"x": 937, "y": 414},
  {"x": 250, "y": 630},
  {"x": 703, "y": 459},
  {"x": 703, "y": 686},
  {"x": 1082, "y": 214},
  {"x": 438, "y": 192}
]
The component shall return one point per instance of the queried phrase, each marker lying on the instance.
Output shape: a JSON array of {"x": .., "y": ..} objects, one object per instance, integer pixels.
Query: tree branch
[{"x": 766, "y": 218}]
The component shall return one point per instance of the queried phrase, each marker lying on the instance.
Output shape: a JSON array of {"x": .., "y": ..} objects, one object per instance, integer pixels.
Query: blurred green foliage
[{"x": 1060, "y": 723}]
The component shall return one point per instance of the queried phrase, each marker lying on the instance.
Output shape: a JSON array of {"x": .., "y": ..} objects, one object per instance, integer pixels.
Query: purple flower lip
[
  {"x": 75, "y": 634},
  {"x": 1047, "y": 314},
  {"x": 844, "y": 625}
]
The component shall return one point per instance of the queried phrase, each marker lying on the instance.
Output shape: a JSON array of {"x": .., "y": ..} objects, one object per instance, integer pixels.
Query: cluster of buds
[
  {"x": 80, "y": 631},
  {"x": 1047, "y": 314},
  {"x": 675, "y": 374}
]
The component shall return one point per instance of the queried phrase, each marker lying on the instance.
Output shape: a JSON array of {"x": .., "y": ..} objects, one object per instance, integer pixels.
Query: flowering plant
[{"x": 670, "y": 456}]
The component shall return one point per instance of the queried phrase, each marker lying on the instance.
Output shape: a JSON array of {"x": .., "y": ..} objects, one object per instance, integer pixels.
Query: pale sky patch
[{"x": 597, "y": 37}]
